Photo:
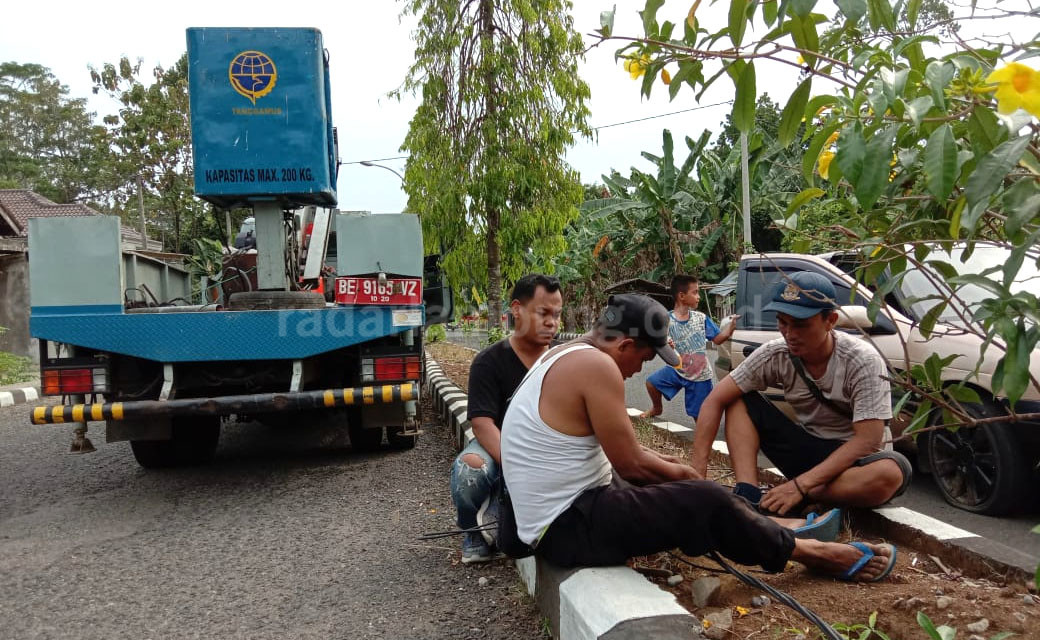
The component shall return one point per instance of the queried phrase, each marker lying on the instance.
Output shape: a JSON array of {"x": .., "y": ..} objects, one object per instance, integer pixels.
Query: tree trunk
[{"x": 494, "y": 292}]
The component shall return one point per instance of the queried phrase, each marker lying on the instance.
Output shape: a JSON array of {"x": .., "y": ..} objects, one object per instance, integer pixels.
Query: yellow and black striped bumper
[{"x": 226, "y": 405}]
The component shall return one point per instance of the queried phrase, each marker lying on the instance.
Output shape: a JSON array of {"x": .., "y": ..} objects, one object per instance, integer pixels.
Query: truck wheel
[
  {"x": 979, "y": 469},
  {"x": 363, "y": 439},
  {"x": 193, "y": 442},
  {"x": 398, "y": 441},
  {"x": 268, "y": 300}
]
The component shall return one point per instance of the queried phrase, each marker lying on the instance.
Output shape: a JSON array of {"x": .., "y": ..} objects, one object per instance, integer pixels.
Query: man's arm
[
  {"x": 725, "y": 335},
  {"x": 865, "y": 441},
  {"x": 489, "y": 436},
  {"x": 603, "y": 392},
  {"x": 724, "y": 394},
  {"x": 483, "y": 404}
]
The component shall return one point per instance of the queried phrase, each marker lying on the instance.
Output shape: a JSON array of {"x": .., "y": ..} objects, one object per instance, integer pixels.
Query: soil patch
[
  {"x": 454, "y": 360},
  {"x": 919, "y": 582}
]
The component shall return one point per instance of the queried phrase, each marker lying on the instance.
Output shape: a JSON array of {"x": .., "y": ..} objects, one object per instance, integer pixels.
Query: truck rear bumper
[{"x": 226, "y": 405}]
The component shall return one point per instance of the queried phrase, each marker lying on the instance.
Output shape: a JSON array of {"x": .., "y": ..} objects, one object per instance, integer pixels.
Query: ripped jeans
[{"x": 471, "y": 487}]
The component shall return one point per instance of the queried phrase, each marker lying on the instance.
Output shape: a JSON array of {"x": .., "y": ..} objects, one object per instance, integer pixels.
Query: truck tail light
[
  {"x": 390, "y": 368},
  {"x": 59, "y": 382}
]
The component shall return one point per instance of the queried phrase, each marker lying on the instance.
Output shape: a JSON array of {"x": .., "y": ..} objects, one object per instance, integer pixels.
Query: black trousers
[{"x": 608, "y": 525}]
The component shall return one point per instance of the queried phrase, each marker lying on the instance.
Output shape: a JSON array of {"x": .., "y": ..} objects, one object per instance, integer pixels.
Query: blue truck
[{"x": 306, "y": 335}]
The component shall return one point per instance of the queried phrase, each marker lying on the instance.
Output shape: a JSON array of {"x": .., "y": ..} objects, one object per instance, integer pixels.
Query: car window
[{"x": 759, "y": 284}]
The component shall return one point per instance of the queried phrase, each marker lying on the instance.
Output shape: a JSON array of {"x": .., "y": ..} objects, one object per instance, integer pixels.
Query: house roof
[{"x": 18, "y": 205}]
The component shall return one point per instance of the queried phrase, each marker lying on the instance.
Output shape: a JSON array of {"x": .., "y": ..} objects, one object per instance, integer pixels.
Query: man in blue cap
[{"x": 835, "y": 453}]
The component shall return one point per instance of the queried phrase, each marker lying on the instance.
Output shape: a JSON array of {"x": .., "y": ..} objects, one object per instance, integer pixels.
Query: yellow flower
[
  {"x": 801, "y": 60},
  {"x": 1018, "y": 86},
  {"x": 742, "y": 611},
  {"x": 824, "y": 163},
  {"x": 636, "y": 67},
  {"x": 666, "y": 77},
  {"x": 832, "y": 139}
]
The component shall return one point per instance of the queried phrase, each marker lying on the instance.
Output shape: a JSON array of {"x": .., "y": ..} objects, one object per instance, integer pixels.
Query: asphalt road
[
  {"x": 289, "y": 534},
  {"x": 922, "y": 496}
]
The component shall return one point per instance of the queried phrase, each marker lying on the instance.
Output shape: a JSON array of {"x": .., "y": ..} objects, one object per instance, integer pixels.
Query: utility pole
[
  {"x": 140, "y": 207},
  {"x": 745, "y": 188}
]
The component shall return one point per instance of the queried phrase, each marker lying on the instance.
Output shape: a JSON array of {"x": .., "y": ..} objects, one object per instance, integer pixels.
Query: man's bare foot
[
  {"x": 795, "y": 523},
  {"x": 789, "y": 523},
  {"x": 836, "y": 559},
  {"x": 651, "y": 412}
]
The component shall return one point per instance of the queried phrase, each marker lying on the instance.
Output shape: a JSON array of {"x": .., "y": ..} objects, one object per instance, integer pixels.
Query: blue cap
[{"x": 803, "y": 294}]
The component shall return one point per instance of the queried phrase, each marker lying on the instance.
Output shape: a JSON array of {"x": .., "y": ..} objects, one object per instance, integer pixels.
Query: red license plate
[{"x": 369, "y": 291}]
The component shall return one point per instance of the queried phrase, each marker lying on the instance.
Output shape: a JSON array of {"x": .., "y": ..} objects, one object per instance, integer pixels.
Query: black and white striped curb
[
  {"x": 614, "y": 603},
  {"x": 18, "y": 395},
  {"x": 971, "y": 553}
]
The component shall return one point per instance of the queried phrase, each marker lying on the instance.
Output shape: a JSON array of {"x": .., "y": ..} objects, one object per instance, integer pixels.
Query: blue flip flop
[
  {"x": 850, "y": 575},
  {"x": 824, "y": 529}
]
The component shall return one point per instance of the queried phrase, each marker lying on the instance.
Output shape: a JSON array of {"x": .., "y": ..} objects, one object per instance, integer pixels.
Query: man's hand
[
  {"x": 700, "y": 466},
  {"x": 782, "y": 498}
]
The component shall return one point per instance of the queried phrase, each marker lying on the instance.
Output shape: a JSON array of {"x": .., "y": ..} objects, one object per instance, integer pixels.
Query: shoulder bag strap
[{"x": 814, "y": 390}]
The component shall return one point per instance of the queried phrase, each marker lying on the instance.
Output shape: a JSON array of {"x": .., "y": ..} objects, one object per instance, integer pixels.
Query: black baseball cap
[
  {"x": 636, "y": 316},
  {"x": 803, "y": 294}
]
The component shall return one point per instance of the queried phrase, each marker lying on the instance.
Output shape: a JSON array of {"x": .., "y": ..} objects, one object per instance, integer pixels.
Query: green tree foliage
[
  {"x": 920, "y": 135},
  {"x": 151, "y": 138},
  {"x": 49, "y": 142},
  {"x": 501, "y": 98}
]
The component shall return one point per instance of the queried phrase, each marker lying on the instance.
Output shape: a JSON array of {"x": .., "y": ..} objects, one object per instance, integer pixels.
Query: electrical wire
[
  {"x": 664, "y": 115},
  {"x": 602, "y": 126},
  {"x": 826, "y": 629}
]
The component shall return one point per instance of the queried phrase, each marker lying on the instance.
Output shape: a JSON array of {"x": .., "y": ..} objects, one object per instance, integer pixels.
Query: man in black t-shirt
[{"x": 494, "y": 375}]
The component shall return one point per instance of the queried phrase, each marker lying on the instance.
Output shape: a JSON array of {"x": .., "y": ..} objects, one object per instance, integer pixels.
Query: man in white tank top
[{"x": 570, "y": 460}]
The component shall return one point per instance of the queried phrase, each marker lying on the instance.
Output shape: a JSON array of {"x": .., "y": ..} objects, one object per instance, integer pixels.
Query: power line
[
  {"x": 603, "y": 126},
  {"x": 375, "y": 160},
  {"x": 662, "y": 115}
]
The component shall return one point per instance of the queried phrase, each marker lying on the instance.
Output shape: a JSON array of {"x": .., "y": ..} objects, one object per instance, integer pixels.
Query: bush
[
  {"x": 436, "y": 333},
  {"x": 14, "y": 368}
]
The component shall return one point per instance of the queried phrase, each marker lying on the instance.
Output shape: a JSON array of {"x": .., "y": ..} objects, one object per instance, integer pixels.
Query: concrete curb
[
  {"x": 18, "y": 395},
  {"x": 602, "y": 603}
]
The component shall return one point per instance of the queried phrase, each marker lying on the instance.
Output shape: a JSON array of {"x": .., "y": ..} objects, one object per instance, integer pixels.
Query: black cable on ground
[
  {"x": 784, "y": 598},
  {"x": 433, "y": 535}
]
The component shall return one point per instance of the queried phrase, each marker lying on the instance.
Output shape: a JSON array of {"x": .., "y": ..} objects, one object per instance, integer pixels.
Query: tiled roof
[{"x": 18, "y": 205}]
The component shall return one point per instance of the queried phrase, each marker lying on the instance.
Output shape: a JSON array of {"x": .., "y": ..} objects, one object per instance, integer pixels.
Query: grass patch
[{"x": 14, "y": 369}]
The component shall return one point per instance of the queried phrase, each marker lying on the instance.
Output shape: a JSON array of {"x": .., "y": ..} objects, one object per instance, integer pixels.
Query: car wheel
[
  {"x": 363, "y": 439},
  {"x": 397, "y": 440},
  {"x": 979, "y": 469},
  {"x": 193, "y": 442}
]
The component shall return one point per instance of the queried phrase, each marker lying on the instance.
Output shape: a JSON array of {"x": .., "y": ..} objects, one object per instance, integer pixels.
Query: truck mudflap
[{"x": 225, "y": 405}]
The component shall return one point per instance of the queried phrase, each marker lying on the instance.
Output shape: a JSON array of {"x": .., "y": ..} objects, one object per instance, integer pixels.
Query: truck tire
[
  {"x": 980, "y": 469},
  {"x": 270, "y": 300},
  {"x": 398, "y": 441},
  {"x": 193, "y": 442},
  {"x": 363, "y": 439}
]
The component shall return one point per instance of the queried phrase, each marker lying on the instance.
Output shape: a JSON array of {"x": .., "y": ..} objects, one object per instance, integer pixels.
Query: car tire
[
  {"x": 193, "y": 442},
  {"x": 396, "y": 440},
  {"x": 363, "y": 439},
  {"x": 980, "y": 469}
]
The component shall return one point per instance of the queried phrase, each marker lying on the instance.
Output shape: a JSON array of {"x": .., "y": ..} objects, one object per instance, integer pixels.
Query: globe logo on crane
[{"x": 253, "y": 74}]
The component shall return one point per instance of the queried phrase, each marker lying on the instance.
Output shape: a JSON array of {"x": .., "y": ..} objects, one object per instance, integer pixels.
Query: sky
[{"x": 371, "y": 48}]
